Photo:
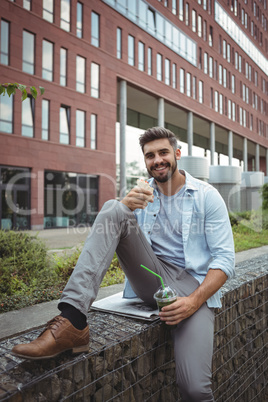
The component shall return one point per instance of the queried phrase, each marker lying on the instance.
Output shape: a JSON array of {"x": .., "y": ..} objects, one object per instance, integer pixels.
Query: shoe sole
[{"x": 78, "y": 349}]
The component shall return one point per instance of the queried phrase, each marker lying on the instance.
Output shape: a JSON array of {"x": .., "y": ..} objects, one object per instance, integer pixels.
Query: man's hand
[
  {"x": 181, "y": 309},
  {"x": 137, "y": 198}
]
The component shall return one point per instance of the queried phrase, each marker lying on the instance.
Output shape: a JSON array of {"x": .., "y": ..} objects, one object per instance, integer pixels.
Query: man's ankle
[{"x": 77, "y": 319}]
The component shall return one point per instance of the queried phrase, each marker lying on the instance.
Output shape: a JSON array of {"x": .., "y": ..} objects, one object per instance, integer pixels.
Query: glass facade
[
  {"x": 14, "y": 198},
  {"x": 71, "y": 199},
  {"x": 158, "y": 26}
]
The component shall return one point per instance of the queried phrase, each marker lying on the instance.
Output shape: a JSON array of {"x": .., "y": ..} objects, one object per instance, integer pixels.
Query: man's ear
[{"x": 178, "y": 154}]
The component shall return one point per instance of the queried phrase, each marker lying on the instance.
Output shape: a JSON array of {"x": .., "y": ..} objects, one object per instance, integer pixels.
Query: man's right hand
[{"x": 138, "y": 198}]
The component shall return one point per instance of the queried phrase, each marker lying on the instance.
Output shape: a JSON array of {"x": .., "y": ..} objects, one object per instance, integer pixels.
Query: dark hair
[{"x": 156, "y": 133}]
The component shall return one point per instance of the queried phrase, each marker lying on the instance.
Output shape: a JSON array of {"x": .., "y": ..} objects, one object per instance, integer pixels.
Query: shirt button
[{"x": 149, "y": 232}]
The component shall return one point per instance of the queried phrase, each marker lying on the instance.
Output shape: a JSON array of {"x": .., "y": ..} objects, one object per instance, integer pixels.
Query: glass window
[
  {"x": 28, "y": 52},
  {"x": 233, "y": 111},
  {"x": 47, "y": 61},
  {"x": 168, "y": 33},
  {"x": 167, "y": 72},
  {"x": 80, "y": 74},
  {"x": 93, "y": 131},
  {"x": 27, "y": 117},
  {"x": 119, "y": 43},
  {"x": 174, "y": 75},
  {"x": 210, "y": 36},
  {"x": 159, "y": 72},
  {"x": 181, "y": 6},
  {"x": 216, "y": 101},
  {"x": 211, "y": 67},
  {"x": 182, "y": 74},
  {"x": 194, "y": 87},
  {"x": 4, "y": 51},
  {"x": 141, "y": 51},
  {"x": 64, "y": 125},
  {"x": 79, "y": 20},
  {"x": 200, "y": 92},
  {"x": 150, "y": 61},
  {"x": 95, "y": 29},
  {"x": 221, "y": 103},
  {"x": 188, "y": 84},
  {"x": 193, "y": 20},
  {"x": 205, "y": 63},
  {"x": 131, "y": 50},
  {"x": 65, "y": 15},
  {"x": 80, "y": 128},
  {"x": 27, "y": 4},
  {"x": 174, "y": 7},
  {"x": 220, "y": 74},
  {"x": 224, "y": 49},
  {"x": 151, "y": 20},
  {"x": 48, "y": 10},
  {"x": 95, "y": 80},
  {"x": 63, "y": 67},
  {"x": 187, "y": 13},
  {"x": 6, "y": 114},
  {"x": 45, "y": 119},
  {"x": 224, "y": 77},
  {"x": 199, "y": 26}
]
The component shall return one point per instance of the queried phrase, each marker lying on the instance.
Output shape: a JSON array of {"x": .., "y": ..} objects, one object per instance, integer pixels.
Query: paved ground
[{"x": 19, "y": 321}]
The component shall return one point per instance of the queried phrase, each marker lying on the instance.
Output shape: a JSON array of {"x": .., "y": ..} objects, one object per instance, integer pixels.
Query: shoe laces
[{"x": 53, "y": 324}]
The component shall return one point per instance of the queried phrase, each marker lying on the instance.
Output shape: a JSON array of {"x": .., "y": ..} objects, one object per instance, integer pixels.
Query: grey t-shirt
[{"x": 167, "y": 234}]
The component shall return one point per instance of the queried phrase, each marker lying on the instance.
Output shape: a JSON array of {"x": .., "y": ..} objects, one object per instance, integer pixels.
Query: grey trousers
[{"x": 116, "y": 230}]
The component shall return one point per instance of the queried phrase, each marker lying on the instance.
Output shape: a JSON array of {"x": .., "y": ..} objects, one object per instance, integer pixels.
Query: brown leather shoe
[{"x": 58, "y": 336}]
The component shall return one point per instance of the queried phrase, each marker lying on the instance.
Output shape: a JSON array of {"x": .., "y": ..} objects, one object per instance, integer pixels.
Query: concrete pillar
[
  {"x": 190, "y": 133},
  {"x": 123, "y": 123},
  {"x": 230, "y": 147},
  {"x": 257, "y": 157},
  {"x": 212, "y": 142},
  {"x": 161, "y": 112},
  {"x": 245, "y": 154}
]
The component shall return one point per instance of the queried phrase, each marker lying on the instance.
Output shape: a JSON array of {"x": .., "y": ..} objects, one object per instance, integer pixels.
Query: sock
[{"x": 77, "y": 319}]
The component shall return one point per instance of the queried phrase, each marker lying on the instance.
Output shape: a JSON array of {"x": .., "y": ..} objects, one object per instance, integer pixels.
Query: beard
[{"x": 163, "y": 178}]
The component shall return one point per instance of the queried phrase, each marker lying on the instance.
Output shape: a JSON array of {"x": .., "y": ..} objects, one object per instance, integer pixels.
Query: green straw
[{"x": 154, "y": 274}]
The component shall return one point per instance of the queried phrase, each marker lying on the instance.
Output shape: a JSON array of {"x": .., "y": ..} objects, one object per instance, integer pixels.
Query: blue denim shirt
[{"x": 206, "y": 232}]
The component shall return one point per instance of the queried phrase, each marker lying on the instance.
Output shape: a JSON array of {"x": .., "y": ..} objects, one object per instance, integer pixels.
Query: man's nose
[{"x": 158, "y": 159}]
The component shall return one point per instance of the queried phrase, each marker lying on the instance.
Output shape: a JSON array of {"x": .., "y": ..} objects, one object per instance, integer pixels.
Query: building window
[
  {"x": 93, "y": 131},
  {"x": 119, "y": 43},
  {"x": 27, "y": 4},
  {"x": 159, "y": 73},
  {"x": 174, "y": 7},
  {"x": 28, "y": 40},
  {"x": 141, "y": 50},
  {"x": 174, "y": 75},
  {"x": 63, "y": 67},
  {"x": 47, "y": 61},
  {"x": 194, "y": 88},
  {"x": 95, "y": 29},
  {"x": 199, "y": 26},
  {"x": 167, "y": 72},
  {"x": 80, "y": 128},
  {"x": 224, "y": 49},
  {"x": 228, "y": 53},
  {"x": 181, "y": 6},
  {"x": 224, "y": 77},
  {"x": 64, "y": 125},
  {"x": 233, "y": 84},
  {"x": 229, "y": 109},
  {"x": 95, "y": 80},
  {"x": 131, "y": 50},
  {"x": 205, "y": 30},
  {"x": 79, "y": 20},
  {"x": 182, "y": 77},
  {"x": 65, "y": 15},
  {"x": 221, "y": 104},
  {"x": 187, "y": 13},
  {"x": 216, "y": 101},
  {"x": 48, "y": 10},
  {"x": 220, "y": 74},
  {"x": 210, "y": 36},
  {"x": 4, "y": 51},
  {"x": 80, "y": 74},
  {"x": 233, "y": 111},
  {"x": 150, "y": 61},
  {"x": 211, "y": 67},
  {"x": 188, "y": 84},
  {"x": 205, "y": 63},
  {"x": 27, "y": 117},
  {"x": 193, "y": 20},
  {"x": 200, "y": 92},
  {"x": 45, "y": 119},
  {"x": 6, "y": 114}
]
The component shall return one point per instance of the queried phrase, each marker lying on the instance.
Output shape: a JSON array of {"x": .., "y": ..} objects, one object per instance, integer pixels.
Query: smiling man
[{"x": 183, "y": 233}]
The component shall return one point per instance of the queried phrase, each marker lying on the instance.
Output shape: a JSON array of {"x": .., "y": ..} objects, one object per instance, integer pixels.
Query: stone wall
[{"x": 132, "y": 361}]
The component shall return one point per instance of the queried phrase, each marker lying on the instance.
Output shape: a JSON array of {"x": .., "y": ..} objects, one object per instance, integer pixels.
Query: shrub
[
  {"x": 264, "y": 193},
  {"x": 24, "y": 262}
]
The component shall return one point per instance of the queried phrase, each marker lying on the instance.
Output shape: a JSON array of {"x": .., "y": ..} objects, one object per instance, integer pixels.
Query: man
[{"x": 183, "y": 233}]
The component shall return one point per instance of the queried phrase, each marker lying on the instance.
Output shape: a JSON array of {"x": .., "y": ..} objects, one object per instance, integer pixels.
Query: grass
[{"x": 29, "y": 275}]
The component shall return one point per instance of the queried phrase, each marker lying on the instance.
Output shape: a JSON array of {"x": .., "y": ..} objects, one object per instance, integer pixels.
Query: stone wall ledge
[{"x": 130, "y": 360}]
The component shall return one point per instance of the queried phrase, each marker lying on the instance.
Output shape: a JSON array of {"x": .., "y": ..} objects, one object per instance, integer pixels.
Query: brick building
[{"x": 199, "y": 68}]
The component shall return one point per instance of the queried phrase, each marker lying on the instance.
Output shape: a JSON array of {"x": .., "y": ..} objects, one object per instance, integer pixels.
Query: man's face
[{"x": 161, "y": 159}]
